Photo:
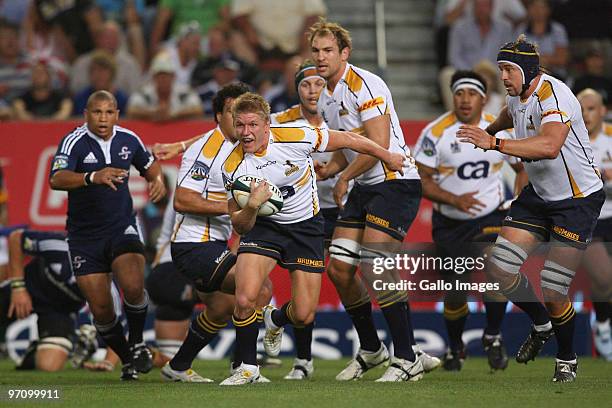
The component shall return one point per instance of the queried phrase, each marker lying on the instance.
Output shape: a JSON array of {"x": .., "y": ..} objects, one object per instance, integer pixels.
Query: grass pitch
[{"x": 518, "y": 386}]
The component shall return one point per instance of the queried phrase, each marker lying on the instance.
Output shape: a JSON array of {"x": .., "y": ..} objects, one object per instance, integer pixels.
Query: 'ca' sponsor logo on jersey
[
  {"x": 199, "y": 171},
  {"x": 292, "y": 168},
  {"x": 124, "y": 153},
  {"x": 471, "y": 170}
]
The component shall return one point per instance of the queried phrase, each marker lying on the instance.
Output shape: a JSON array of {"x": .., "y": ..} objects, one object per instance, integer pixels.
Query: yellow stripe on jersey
[
  {"x": 287, "y": 134},
  {"x": 389, "y": 174},
  {"x": 371, "y": 103},
  {"x": 575, "y": 188},
  {"x": 234, "y": 159},
  {"x": 360, "y": 130},
  {"x": 545, "y": 91},
  {"x": 177, "y": 226},
  {"x": 353, "y": 81},
  {"x": 445, "y": 170},
  {"x": 303, "y": 179},
  {"x": 319, "y": 138},
  {"x": 290, "y": 115},
  {"x": 497, "y": 166},
  {"x": 489, "y": 117},
  {"x": 213, "y": 144},
  {"x": 447, "y": 121},
  {"x": 206, "y": 234},
  {"x": 607, "y": 128},
  {"x": 216, "y": 195}
]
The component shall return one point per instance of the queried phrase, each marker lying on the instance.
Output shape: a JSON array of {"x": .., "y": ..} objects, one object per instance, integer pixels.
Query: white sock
[{"x": 543, "y": 327}]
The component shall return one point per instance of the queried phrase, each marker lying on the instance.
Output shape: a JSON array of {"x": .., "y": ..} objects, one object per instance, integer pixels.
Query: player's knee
[
  {"x": 303, "y": 316},
  {"x": 52, "y": 353},
  {"x": 244, "y": 303},
  {"x": 265, "y": 293},
  {"x": 102, "y": 312},
  {"x": 344, "y": 251},
  {"x": 506, "y": 259},
  {"x": 134, "y": 294},
  {"x": 555, "y": 278}
]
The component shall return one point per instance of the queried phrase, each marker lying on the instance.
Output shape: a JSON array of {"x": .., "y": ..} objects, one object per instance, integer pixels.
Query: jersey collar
[{"x": 98, "y": 138}]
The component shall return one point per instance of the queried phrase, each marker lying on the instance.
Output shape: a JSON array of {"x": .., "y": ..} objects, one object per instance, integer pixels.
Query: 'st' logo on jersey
[
  {"x": 124, "y": 153},
  {"x": 292, "y": 168}
]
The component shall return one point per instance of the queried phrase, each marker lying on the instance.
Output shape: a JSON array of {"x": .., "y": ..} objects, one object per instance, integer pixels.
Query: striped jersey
[
  {"x": 461, "y": 168},
  {"x": 602, "y": 149},
  {"x": 98, "y": 209},
  {"x": 572, "y": 174},
  {"x": 358, "y": 97},
  {"x": 286, "y": 163},
  {"x": 325, "y": 188},
  {"x": 201, "y": 172}
]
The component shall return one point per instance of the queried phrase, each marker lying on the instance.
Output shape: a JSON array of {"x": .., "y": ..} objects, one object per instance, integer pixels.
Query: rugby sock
[
  {"x": 361, "y": 315},
  {"x": 455, "y": 322},
  {"x": 136, "y": 315},
  {"x": 495, "y": 312},
  {"x": 303, "y": 341},
  {"x": 395, "y": 315},
  {"x": 410, "y": 326},
  {"x": 112, "y": 334},
  {"x": 563, "y": 326},
  {"x": 283, "y": 316},
  {"x": 522, "y": 295},
  {"x": 602, "y": 311},
  {"x": 201, "y": 332},
  {"x": 246, "y": 338}
]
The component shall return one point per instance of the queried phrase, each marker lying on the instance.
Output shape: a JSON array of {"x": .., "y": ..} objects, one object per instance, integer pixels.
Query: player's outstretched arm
[
  {"x": 167, "y": 151},
  {"x": 21, "y": 302},
  {"x": 334, "y": 166},
  {"x": 189, "y": 201},
  {"x": 243, "y": 219},
  {"x": 432, "y": 191},
  {"x": 545, "y": 145},
  {"x": 157, "y": 188},
  {"x": 69, "y": 180}
]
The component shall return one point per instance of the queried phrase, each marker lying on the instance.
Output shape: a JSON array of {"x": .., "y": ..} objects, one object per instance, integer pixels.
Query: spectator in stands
[
  {"x": 218, "y": 49},
  {"x": 41, "y": 101},
  {"x": 175, "y": 13},
  {"x": 595, "y": 75},
  {"x": 225, "y": 72},
  {"x": 42, "y": 38},
  {"x": 102, "y": 72},
  {"x": 76, "y": 23},
  {"x": 129, "y": 72},
  {"x": 14, "y": 11},
  {"x": 274, "y": 30},
  {"x": 512, "y": 11},
  {"x": 550, "y": 37},
  {"x": 284, "y": 94},
  {"x": 163, "y": 99},
  {"x": 185, "y": 51},
  {"x": 14, "y": 67},
  {"x": 496, "y": 94},
  {"x": 472, "y": 39}
]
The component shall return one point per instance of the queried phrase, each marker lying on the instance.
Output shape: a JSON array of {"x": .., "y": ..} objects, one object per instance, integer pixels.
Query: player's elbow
[
  {"x": 551, "y": 151},
  {"x": 54, "y": 182}
]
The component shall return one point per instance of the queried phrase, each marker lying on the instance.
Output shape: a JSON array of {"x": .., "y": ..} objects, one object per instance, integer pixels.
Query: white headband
[{"x": 469, "y": 83}]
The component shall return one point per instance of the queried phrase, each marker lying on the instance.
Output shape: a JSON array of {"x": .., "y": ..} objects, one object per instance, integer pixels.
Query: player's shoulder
[
  {"x": 607, "y": 129},
  {"x": 437, "y": 127},
  {"x": 292, "y": 114},
  {"x": 128, "y": 134},
  {"x": 488, "y": 117},
  {"x": 358, "y": 79},
  {"x": 291, "y": 132},
  {"x": 233, "y": 160},
  {"x": 551, "y": 87},
  {"x": 72, "y": 139}
]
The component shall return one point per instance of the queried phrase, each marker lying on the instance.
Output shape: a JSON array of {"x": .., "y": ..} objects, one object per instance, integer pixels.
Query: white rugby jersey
[
  {"x": 201, "y": 171},
  {"x": 461, "y": 168},
  {"x": 572, "y": 173},
  {"x": 287, "y": 164},
  {"x": 602, "y": 149},
  {"x": 325, "y": 188},
  {"x": 358, "y": 97}
]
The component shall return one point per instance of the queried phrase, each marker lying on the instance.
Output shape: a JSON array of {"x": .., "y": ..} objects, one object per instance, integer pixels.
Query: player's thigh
[
  {"x": 251, "y": 272},
  {"x": 598, "y": 265},
  {"x": 305, "y": 291},
  {"x": 51, "y": 359},
  {"x": 129, "y": 271},
  {"x": 96, "y": 287},
  {"x": 344, "y": 253}
]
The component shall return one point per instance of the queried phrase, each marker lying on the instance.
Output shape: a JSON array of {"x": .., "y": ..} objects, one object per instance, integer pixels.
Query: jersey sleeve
[
  {"x": 425, "y": 151},
  {"x": 556, "y": 106},
  {"x": 142, "y": 158},
  {"x": 38, "y": 243},
  {"x": 193, "y": 172},
  {"x": 319, "y": 139},
  {"x": 373, "y": 99},
  {"x": 66, "y": 156}
]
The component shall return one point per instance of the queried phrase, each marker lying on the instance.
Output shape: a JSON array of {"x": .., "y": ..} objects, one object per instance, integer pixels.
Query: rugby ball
[{"x": 241, "y": 189}]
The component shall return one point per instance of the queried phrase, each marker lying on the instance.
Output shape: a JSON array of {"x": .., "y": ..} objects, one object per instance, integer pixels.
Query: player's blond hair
[
  {"x": 251, "y": 103},
  {"x": 590, "y": 92},
  {"x": 323, "y": 28}
]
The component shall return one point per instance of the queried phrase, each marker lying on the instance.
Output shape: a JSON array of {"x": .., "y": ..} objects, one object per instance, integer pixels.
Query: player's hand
[
  {"x": 21, "y": 304},
  {"x": 476, "y": 136},
  {"x": 110, "y": 176},
  {"x": 166, "y": 151},
  {"x": 260, "y": 193},
  {"x": 157, "y": 190},
  {"x": 467, "y": 203},
  {"x": 103, "y": 365},
  {"x": 395, "y": 162},
  {"x": 340, "y": 190},
  {"x": 321, "y": 170}
]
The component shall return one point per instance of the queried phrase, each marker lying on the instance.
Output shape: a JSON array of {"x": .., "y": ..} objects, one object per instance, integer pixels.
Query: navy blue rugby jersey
[{"x": 97, "y": 209}]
